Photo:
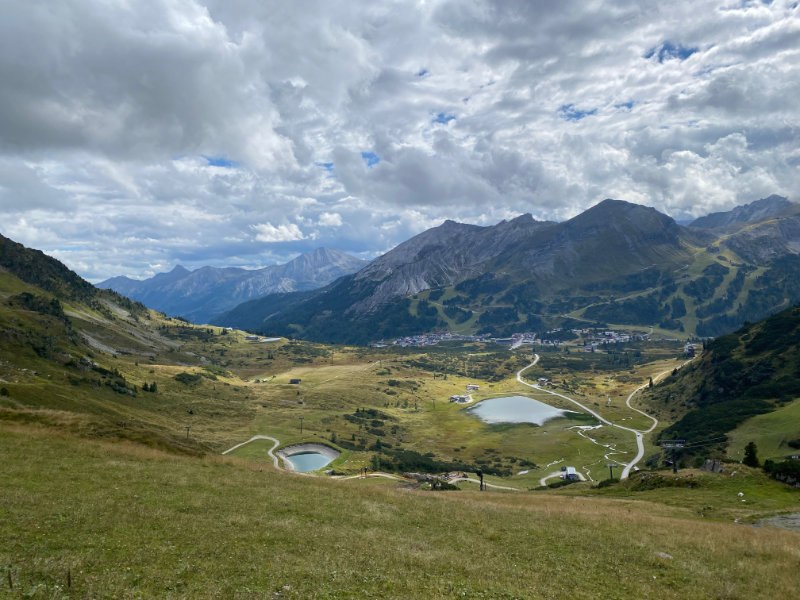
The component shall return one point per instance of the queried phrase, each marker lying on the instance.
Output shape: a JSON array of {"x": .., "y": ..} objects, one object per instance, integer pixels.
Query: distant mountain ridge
[
  {"x": 753, "y": 212},
  {"x": 616, "y": 263},
  {"x": 199, "y": 295},
  {"x": 498, "y": 275}
]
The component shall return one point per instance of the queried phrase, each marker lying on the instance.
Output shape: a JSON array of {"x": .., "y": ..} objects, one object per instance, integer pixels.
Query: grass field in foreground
[{"x": 131, "y": 522}]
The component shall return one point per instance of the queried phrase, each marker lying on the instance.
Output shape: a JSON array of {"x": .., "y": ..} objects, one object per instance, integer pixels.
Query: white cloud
[
  {"x": 267, "y": 232},
  {"x": 327, "y": 219},
  {"x": 157, "y": 132}
]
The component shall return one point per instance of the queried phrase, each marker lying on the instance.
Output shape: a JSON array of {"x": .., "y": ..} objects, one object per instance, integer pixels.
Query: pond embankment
[{"x": 286, "y": 453}]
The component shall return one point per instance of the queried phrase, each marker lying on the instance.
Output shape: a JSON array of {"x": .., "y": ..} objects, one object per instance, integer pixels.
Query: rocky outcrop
[
  {"x": 765, "y": 242},
  {"x": 440, "y": 257},
  {"x": 712, "y": 466}
]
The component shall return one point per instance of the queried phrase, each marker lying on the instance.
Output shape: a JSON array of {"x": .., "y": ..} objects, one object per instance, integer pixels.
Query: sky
[{"x": 136, "y": 135}]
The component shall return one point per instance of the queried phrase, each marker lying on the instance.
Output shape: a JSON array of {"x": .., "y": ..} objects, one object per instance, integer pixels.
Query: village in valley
[{"x": 587, "y": 339}]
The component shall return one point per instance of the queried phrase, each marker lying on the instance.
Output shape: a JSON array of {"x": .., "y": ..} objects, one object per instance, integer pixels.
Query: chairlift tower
[{"x": 674, "y": 445}]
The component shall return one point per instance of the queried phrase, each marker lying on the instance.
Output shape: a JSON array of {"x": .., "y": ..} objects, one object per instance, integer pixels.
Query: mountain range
[
  {"x": 615, "y": 264},
  {"x": 201, "y": 294},
  {"x": 68, "y": 346}
]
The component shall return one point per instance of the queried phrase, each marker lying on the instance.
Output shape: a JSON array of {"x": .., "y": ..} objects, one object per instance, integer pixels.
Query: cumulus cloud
[
  {"x": 134, "y": 136},
  {"x": 327, "y": 219},
  {"x": 267, "y": 232}
]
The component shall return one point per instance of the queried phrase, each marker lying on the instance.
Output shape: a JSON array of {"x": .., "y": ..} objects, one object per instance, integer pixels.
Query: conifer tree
[{"x": 751, "y": 455}]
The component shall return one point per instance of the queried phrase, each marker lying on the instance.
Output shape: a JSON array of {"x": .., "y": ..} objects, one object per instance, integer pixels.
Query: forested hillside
[{"x": 739, "y": 375}]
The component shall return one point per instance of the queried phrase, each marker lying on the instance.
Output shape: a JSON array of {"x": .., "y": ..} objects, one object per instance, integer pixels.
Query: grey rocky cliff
[{"x": 440, "y": 257}]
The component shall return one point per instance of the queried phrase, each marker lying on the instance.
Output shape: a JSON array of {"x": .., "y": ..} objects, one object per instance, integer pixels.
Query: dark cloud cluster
[{"x": 135, "y": 135}]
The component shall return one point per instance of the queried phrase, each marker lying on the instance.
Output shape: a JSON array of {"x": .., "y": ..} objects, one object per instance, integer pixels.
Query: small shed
[{"x": 571, "y": 474}]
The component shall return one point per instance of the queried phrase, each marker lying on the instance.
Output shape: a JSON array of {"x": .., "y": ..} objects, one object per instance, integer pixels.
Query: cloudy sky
[{"x": 140, "y": 134}]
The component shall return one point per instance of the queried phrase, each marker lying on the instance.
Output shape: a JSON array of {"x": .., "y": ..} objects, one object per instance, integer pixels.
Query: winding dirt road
[
  {"x": 639, "y": 443},
  {"x": 274, "y": 458},
  {"x": 638, "y": 434}
]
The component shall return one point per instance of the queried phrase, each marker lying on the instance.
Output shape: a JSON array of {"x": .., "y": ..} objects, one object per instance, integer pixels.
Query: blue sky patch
[
  {"x": 328, "y": 166},
  {"x": 668, "y": 51},
  {"x": 443, "y": 118},
  {"x": 624, "y": 105},
  {"x": 570, "y": 112},
  {"x": 422, "y": 72},
  {"x": 220, "y": 161},
  {"x": 370, "y": 158}
]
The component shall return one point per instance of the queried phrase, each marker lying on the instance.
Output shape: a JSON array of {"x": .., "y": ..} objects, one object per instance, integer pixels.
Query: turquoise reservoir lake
[
  {"x": 516, "y": 409},
  {"x": 308, "y": 461}
]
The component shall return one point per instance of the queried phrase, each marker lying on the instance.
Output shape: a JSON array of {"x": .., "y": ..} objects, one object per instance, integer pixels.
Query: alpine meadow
[{"x": 443, "y": 299}]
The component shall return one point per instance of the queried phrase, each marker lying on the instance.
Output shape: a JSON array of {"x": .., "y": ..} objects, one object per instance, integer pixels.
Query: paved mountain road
[{"x": 637, "y": 433}]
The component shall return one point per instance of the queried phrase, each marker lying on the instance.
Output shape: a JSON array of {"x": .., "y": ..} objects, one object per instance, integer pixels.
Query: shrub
[
  {"x": 607, "y": 483},
  {"x": 188, "y": 378}
]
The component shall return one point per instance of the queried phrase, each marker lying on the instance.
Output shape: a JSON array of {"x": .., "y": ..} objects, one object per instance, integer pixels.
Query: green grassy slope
[
  {"x": 772, "y": 433},
  {"x": 130, "y": 523}
]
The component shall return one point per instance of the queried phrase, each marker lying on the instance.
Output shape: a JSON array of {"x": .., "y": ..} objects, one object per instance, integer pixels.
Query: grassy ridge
[{"x": 130, "y": 522}]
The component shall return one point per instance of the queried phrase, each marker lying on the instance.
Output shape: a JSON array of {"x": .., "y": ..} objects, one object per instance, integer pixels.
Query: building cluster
[
  {"x": 594, "y": 339},
  {"x": 591, "y": 338},
  {"x": 431, "y": 339},
  {"x": 465, "y": 398},
  {"x": 570, "y": 474},
  {"x": 460, "y": 399},
  {"x": 516, "y": 339}
]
